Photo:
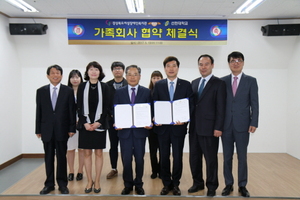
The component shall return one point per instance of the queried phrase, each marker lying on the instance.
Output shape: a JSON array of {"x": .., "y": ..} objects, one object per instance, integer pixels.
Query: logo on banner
[
  {"x": 215, "y": 31},
  {"x": 78, "y": 30}
]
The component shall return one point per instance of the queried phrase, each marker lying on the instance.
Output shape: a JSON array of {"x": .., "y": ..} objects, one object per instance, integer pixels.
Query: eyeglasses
[
  {"x": 135, "y": 75},
  {"x": 236, "y": 61},
  {"x": 118, "y": 69}
]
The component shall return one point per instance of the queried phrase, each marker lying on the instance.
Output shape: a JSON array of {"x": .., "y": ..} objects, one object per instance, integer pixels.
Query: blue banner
[{"x": 147, "y": 32}]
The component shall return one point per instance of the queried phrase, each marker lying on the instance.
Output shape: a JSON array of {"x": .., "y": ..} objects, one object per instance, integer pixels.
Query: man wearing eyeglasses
[
  {"x": 117, "y": 69},
  {"x": 241, "y": 118}
]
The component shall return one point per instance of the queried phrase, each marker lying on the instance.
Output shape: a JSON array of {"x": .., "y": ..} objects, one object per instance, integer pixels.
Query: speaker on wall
[
  {"x": 28, "y": 29},
  {"x": 281, "y": 29}
]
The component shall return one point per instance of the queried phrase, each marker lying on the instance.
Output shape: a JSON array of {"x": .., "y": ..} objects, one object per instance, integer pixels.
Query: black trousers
[
  {"x": 114, "y": 142},
  {"x": 58, "y": 148},
  {"x": 208, "y": 146},
  {"x": 153, "y": 148}
]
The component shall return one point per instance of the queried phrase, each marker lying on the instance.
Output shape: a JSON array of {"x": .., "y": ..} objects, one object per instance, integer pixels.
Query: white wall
[
  {"x": 10, "y": 88},
  {"x": 266, "y": 58},
  {"x": 293, "y": 116}
]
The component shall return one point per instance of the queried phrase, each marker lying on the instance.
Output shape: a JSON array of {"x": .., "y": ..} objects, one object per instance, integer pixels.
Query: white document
[
  {"x": 181, "y": 110},
  {"x": 141, "y": 115},
  {"x": 132, "y": 116},
  {"x": 163, "y": 112},
  {"x": 123, "y": 116},
  {"x": 167, "y": 112}
]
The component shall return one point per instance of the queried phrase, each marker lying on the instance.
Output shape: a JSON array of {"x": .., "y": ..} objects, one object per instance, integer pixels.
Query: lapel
[
  {"x": 241, "y": 85},
  {"x": 139, "y": 94},
  {"x": 48, "y": 96},
  {"x": 165, "y": 88},
  {"x": 177, "y": 89},
  {"x": 206, "y": 88},
  {"x": 229, "y": 85},
  {"x": 60, "y": 95},
  {"x": 126, "y": 94},
  {"x": 195, "y": 85}
]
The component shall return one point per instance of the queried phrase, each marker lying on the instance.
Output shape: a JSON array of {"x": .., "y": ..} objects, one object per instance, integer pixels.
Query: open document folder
[
  {"x": 169, "y": 112},
  {"x": 132, "y": 115}
]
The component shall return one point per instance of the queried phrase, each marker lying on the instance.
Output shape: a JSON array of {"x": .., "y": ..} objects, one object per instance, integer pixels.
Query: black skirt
[{"x": 91, "y": 139}]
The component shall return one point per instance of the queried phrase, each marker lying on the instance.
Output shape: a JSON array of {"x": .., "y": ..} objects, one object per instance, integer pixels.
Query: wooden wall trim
[{"x": 11, "y": 161}]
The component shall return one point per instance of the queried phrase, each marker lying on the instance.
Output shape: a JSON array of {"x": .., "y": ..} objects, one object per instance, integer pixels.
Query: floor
[
  {"x": 271, "y": 176},
  {"x": 18, "y": 170}
]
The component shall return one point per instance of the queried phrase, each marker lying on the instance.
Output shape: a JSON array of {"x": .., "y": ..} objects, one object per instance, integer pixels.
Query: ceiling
[{"x": 161, "y": 9}]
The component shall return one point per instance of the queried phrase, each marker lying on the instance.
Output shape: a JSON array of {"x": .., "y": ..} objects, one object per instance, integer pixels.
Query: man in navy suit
[
  {"x": 171, "y": 135},
  {"x": 207, "y": 121},
  {"x": 241, "y": 119},
  {"x": 132, "y": 140},
  {"x": 55, "y": 123}
]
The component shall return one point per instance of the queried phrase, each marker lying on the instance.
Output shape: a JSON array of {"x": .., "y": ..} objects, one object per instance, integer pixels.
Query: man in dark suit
[
  {"x": 132, "y": 140},
  {"x": 241, "y": 119},
  {"x": 55, "y": 123},
  {"x": 118, "y": 81},
  {"x": 171, "y": 135},
  {"x": 207, "y": 121}
]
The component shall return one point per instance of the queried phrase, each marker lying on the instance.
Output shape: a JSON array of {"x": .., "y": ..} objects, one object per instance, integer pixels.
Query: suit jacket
[
  {"x": 242, "y": 109},
  {"x": 122, "y": 97},
  {"x": 112, "y": 92},
  {"x": 105, "y": 105},
  {"x": 58, "y": 122},
  {"x": 161, "y": 93},
  {"x": 209, "y": 110}
]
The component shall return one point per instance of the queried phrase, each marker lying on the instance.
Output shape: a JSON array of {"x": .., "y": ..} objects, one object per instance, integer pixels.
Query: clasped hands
[{"x": 92, "y": 127}]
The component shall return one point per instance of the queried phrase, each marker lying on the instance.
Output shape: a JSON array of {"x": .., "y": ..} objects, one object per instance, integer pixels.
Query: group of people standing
[{"x": 226, "y": 108}]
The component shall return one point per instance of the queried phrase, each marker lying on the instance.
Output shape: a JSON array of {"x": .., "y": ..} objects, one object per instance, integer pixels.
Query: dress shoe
[
  {"x": 139, "y": 190},
  {"x": 165, "y": 190},
  {"x": 47, "y": 190},
  {"x": 126, "y": 190},
  {"x": 71, "y": 177},
  {"x": 211, "y": 193},
  {"x": 227, "y": 190},
  {"x": 79, "y": 176},
  {"x": 153, "y": 175},
  {"x": 244, "y": 192},
  {"x": 112, "y": 174},
  {"x": 196, "y": 188},
  {"x": 63, "y": 190},
  {"x": 97, "y": 190},
  {"x": 176, "y": 191},
  {"x": 88, "y": 190}
]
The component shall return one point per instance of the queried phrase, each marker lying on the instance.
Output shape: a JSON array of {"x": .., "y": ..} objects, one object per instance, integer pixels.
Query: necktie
[
  {"x": 201, "y": 87},
  {"x": 132, "y": 95},
  {"x": 54, "y": 98},
  {"x": 234, "y": 85},
  {"x": 171, "y": 92}
]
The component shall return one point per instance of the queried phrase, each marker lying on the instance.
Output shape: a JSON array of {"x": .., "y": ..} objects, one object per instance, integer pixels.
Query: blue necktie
[
  {"x": 132, "y": 95},
  {"x": 171, "y": 92},
  {"x": 54, "y": 98},
  {"x": 201, "y": 88}
]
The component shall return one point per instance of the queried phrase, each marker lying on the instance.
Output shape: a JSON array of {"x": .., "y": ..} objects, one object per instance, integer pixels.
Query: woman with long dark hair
[
  {"x": 153, "y": 140},
  {"x": 74, "y": 81}
]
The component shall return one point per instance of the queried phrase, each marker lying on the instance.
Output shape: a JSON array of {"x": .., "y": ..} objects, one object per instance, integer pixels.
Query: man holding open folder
[
  {"x": 170, "y": 89},
  {"x": 132, "y": 140}
]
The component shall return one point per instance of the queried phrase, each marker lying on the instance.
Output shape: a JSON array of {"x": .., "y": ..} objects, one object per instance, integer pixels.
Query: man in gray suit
[{"x": 241, "y": 118}]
